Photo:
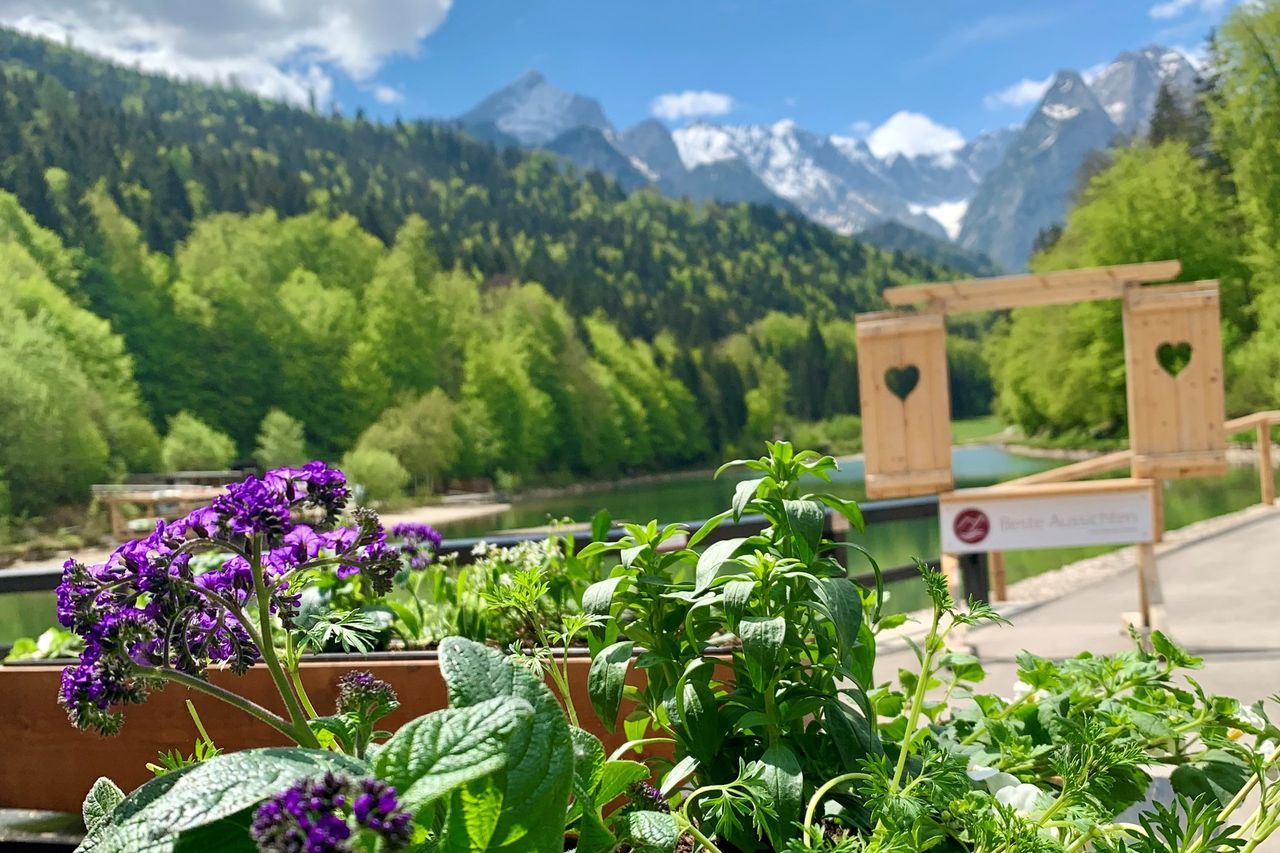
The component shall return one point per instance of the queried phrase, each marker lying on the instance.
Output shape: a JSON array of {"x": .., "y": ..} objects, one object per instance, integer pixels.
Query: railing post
[
  {"x": 975, "y": 577},
  {"x": 1266, "y": 476},
  {"x": 999, "y": 582}
]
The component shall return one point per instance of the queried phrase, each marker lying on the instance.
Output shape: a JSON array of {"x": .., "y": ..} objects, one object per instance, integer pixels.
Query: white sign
[{"x": 1049, "y": 515}]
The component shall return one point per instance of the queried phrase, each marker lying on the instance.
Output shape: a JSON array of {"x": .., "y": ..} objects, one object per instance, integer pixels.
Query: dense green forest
[
  {"x": 195, "y": 277},
  {"x": 1203, "y": 186}
]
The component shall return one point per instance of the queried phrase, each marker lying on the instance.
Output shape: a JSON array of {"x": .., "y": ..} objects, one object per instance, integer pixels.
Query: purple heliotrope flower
[
  {"x": 359, "y": 692},
  {"x": 145, "y": 611},
  {"x": 418, "y": 543},
  {"x": 312, "y": 816}
]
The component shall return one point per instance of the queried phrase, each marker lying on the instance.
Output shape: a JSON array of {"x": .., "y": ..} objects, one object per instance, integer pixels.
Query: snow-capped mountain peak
[
  {"x": 534, "y": 111},
  {"x": 992, "y": 195}
]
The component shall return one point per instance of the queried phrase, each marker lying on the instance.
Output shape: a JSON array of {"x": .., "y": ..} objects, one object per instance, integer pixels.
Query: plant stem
[
  {"x": 638, "y": 742},
  {"x": 698, "y": 836},
  {"x": 304, "y": 736},
  {"x": 812, "y": 808},
  {"x": 931, "y": 643},
  {"x": 253, "y": 709}
]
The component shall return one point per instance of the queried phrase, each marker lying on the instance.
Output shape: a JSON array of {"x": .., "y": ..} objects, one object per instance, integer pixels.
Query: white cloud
[
  {"x": 862, "y": 128},
  {"x": 689, "y": 103},
  {"x": 913, "y": 134},
  {"x": 1174, "y": 8},
  {"x": 1021, "y": 94},
  {"x": 387, "y": 95},
  {"x": 282, "y": 49}
]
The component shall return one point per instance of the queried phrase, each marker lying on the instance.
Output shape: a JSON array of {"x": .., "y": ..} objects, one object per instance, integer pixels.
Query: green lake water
[{"x": 697, "y": 497}]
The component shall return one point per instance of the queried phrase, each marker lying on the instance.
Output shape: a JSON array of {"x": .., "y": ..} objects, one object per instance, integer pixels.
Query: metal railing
[{"x": 46, "y": 579}]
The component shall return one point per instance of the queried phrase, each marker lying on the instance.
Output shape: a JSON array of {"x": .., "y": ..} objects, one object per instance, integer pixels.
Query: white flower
[
  {"x": 996, "y": 780},
  {"x": 1022, "y": 797},
  {"x": 1020, "y": 689},
  {"x": 1267, "y": 749}
]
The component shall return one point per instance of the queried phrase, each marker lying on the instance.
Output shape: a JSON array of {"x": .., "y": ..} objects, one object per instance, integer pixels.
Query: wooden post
[
  {"x": 999, "y": 584},
  {"x": 1150, "y": 596},
  {"x": 1266, "y": 475},
  {"x": 1157, "y": 509},
  {"x": 118, "y": 529}
]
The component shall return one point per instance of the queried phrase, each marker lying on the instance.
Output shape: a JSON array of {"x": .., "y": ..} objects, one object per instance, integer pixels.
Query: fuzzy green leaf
[
  {"x": 539, "y": 771},
  {"x": 104, "y": 796},
  {"x": 214, "y": 790},
  {"x": 431, "y": 756}
]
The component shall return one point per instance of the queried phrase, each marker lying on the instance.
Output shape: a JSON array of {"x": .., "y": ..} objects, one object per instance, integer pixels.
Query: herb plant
[{"x": 742, "y": 670}]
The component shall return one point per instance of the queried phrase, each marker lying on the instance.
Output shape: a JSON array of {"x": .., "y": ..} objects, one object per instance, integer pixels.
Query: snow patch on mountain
[{"x": 948, "y": 214}]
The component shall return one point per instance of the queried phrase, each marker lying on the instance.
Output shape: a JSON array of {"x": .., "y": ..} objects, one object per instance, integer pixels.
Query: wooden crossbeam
[{"x": 1051, "y": 288}]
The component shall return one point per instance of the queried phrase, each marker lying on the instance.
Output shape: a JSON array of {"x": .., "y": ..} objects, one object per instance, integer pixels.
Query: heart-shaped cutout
[
  {"x": 1174, "y": 357},
  {"x": 902, "y": 380}
]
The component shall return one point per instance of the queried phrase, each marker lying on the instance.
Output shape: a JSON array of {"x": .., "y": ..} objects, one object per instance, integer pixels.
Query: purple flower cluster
[
  {"x": 359, "y": 692},
  {"x": 418, "y": 543},
  {"x": 311, "y": 816},
  {"x": 145, "y": 610},
  {"x": 645, "y": 797}
]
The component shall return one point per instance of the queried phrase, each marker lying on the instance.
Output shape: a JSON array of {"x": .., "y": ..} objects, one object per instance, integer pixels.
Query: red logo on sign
[{"x": 971, "y": 526}]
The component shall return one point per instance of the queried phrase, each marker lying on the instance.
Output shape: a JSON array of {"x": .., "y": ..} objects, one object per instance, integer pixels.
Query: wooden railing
[{"x": 1260, "y": 422}]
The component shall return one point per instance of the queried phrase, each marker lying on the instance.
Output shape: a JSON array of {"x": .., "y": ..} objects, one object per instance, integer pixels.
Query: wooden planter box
[{"x": 48, "y": 764}]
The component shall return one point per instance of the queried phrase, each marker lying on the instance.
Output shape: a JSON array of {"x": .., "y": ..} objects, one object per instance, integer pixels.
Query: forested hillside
[
  {"x": 427, "y": 304},
  {"x": 1203, "y": 186}
]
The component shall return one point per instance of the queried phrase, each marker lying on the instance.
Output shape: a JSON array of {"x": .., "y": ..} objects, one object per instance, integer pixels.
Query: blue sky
[{"x": 834, "y": 66}]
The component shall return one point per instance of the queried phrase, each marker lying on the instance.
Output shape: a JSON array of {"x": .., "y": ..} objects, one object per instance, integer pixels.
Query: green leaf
[
  {"x": 682, "y": 770},
  {"x": 1217, "y": 773},
  {"x": 805, "y": 520},
  {"x": 843, "y": 605},
  {"x": 601, "y": 524},
  {"x": 104, "y": 796},
  {"x": 1174, "y": 654},
  {"x": 588, "y": 762},
  {"x": 737, "y": 595},
  {"x": 607, "y": 677},
  {"x": 588, "y": 770},
  {"x": 216, "y": 789},
  {"x": 698, "y": 719},
  {"x": 762, "y": 638},
  {"x": 539, "y": 772},
  {"x": 782, "y": 778},
  {"x": 851, "y": 733},
  {"x": 616, "y": 776},
  {"x": 651, "y": 832},
  {"x": 429, "y": 757},
  {"x": 137, "y": 800},
  {"x": 710, "y": 561},
  {"x": 849, "y": 509},
  {"x": 966, "y": 668},
  {"x": 707, "y": 527},
  {"x": 742, "y": 495},
  {"x": 597, "y": 599},
  {"x": 473, "y": 816}
]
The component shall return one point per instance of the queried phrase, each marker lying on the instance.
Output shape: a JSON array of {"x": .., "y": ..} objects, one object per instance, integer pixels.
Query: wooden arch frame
[{"x": 1175, "y": 422}]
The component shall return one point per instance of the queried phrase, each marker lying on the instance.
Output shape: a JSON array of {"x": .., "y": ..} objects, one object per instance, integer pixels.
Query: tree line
[{"x": 262, "y": 283}]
